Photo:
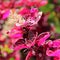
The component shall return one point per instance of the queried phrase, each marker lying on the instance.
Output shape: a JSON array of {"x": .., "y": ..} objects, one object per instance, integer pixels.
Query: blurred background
[{"x": 53, "y": 8}]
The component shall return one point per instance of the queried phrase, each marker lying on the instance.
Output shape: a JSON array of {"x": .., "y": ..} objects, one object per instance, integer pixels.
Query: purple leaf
[{"x": 19, "y": 47}]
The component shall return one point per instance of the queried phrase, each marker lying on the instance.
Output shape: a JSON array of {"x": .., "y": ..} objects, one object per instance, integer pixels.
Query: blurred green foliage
[{"x": 53, "y": 17}]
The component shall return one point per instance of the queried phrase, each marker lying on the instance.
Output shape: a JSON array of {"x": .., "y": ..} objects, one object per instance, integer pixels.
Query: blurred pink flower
[
  {"x": 32, "y": 16},
  {"x": 5, "y": 14},
  {"x": 30, "y": 3},
  {"x": 20, "y": 3},
  {"x": 25, "y": 12},
  {"x": 15, "y": 34},
  {"x": 36, "y": 3}
]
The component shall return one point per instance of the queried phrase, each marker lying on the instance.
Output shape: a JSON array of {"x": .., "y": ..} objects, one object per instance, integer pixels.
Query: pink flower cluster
[
  {"x": 31, "y": 34},
  {"x": 27, "y": 37}
]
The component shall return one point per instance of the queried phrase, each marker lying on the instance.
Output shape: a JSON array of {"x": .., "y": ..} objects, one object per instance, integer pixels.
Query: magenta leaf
[
  {"x": 56, "y": 43},
  {"x": 42, "y": 38},
  {"x": 29, "y": 55},
  {"x": 53, "y": 53},
  {"x": 20, "y": 47},
  {"x": 17, "y": 56}
]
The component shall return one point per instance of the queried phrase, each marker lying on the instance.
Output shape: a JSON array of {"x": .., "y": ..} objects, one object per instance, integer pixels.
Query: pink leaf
[
  {"x": 17, "y": 56},
  {"x": 42, "y": 37},
  {"x": 29, "y": 55},
  {"x": 19, "y": 47},
  {"x": 53, "y": 53},
  {"x": 56, "y": 43}
]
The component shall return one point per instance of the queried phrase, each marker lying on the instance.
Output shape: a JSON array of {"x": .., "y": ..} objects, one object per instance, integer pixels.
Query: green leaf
[
  {"x": 52, "y": 15},
  {"x": 11, "y": 58},
  {"x": 58, "y": 29},
  {"x": 47, "y": 8}
]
